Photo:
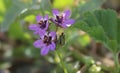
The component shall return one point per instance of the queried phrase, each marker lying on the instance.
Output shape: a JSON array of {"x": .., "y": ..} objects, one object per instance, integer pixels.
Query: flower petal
[
  {"x": 41, "y": 33},
  {"x": 53, "y": 34},
  {"x": 67, "y": 14},
  {"x": 55, "y": 12},
  {"x": 38, "y": 18},
  {"x": 44, "y": 50},
  {"x": 46, "y": 17},
  {"x": 64, "y": 25},
  {"x": 38, "y": 44},
  {"x": 47, "y": 25},
  {"x": 69, "y": 22},
  {"x": 52, "y": 46},
  {"x": 33, "y": 27}
]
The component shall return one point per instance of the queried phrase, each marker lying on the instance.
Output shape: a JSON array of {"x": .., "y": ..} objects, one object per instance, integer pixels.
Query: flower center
[
  {"x": 59, "y": 19},
  {"x": 42, "y": 24},
  {"x": 47, "y": 40}
]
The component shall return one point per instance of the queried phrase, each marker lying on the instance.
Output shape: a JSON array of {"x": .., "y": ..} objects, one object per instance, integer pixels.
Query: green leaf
[
  {"x": 82, "y": 25},
  {"x": 13, "y": 12},
  {"x": 108, "y": 20},
  {"x": 103, "y": 25},
  {"x": 92, "y": 27},
  {"x": 11, "y": 15},
  {"x": 91, "y": 19},
  {"x": 98, "y": 34}
]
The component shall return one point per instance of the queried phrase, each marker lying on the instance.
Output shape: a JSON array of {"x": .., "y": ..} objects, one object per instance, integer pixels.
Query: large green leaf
[
  {"x": 108, "y": 20},
  {"x": 91, "y": 25},
  {"x": 11, "y": 14},
  {"x": 10, "y": 17},
  {"x": 103, "y": 26}
]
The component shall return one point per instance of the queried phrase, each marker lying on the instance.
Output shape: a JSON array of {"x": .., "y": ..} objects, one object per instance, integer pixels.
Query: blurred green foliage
[{"x": 97, "y": 23}]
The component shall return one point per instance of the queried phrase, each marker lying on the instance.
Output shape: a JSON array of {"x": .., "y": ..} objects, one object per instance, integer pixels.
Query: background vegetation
[{"x": 92, "y": 43}]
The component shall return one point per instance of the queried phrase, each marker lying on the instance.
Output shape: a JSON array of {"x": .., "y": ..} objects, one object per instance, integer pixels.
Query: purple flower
[
  {"x": 46, "y": 42},
  {"x": 62, "y": 19},
  {"x": 41, "y": 26}
]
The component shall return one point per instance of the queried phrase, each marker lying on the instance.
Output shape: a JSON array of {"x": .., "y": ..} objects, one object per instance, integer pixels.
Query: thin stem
[
  {"x": 116, "y": 61},
  {"x": 61, "y": 62}
]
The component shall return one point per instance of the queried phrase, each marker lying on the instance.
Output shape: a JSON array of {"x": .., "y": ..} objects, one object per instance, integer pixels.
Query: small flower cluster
[{"x": 47, "y": 41}]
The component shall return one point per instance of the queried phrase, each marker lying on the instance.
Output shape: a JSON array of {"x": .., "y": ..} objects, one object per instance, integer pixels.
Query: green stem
[
  {"x": 61, "y": 62},
  {"x": 116, "y": 61}
]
